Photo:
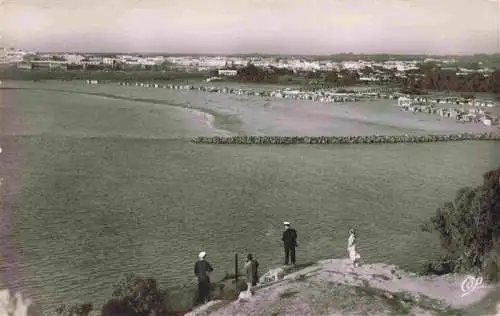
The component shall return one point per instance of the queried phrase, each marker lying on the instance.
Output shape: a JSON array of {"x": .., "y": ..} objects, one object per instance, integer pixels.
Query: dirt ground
[{"x": 334, "y": 287}]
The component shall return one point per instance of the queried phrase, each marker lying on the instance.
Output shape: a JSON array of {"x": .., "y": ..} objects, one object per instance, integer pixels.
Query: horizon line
[{"x": 268, "y": 54}]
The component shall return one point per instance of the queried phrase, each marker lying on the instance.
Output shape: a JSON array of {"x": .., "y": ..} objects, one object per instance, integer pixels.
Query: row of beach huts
[
  {"x": 323, "y": 95},
  {"x": 318, "y": 96},
  {"x": 463, "y": 110}
]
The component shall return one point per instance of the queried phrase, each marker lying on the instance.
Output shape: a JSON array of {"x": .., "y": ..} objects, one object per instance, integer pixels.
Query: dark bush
[
  {"x": 135, "y": 296},
  {"x": 75, "y": 310},
  {"x": 114, "y": 307},
  {"x": 469, "y": 230},
  {"x": 135, "y": 75},
  {"x": 228, "y": 290}
]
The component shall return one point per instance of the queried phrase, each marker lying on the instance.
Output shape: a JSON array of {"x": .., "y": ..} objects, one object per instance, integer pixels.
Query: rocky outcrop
[
  {"x": 272, "y": 275},
  {"x": 335, "y": 287},
  {"x": 372, "y": 139},
  {"x": 13, "y": 305},
  {"x": 204, "y": 309}
]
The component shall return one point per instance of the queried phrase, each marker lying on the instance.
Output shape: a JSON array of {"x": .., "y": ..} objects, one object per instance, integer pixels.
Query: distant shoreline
[
  {"x": 214, "y": 119},
  {"x": 227, "y": 125}
]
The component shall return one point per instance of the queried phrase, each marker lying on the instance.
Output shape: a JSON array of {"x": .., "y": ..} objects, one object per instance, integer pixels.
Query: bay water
[{"x": 97, "y": 186}]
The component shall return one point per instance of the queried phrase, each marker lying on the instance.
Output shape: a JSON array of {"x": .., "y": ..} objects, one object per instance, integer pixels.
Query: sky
[{"x": 252, "y": 26}]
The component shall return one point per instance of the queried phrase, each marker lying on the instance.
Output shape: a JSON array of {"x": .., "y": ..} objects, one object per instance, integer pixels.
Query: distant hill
[{"x": 339, "y": 56}]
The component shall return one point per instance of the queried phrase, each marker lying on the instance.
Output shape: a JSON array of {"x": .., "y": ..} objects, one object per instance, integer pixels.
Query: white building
[
  {"x": 91, "y": 61},
  {"x": 238, "y": 62},
  {"x": 213, "y": 62},
  {"x": 150, "y": 61},
  {"x": 353, "y": 65},
  {"x": 183, "y": 61},
  {"x": 108, "y": 60},
  {"x": 11, "y": 56},
  {"x": 130, "y": 60},
  {"x": 73, "y": 59},
  {"x": 227, "y": 72},
  {"x": 51, "y": 64}
]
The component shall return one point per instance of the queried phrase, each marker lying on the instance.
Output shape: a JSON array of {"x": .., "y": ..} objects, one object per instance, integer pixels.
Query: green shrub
[
  {"x": 228, "y": 290},
  {"x": 136, "y": 75},
  {"x": 136, "y": 296},
  {"x": 75, "y": 310},
  {"x": 469, "y": 230}
]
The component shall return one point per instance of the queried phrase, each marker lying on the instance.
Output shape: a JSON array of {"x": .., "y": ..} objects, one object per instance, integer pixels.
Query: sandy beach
[{"x": 255, "y": 115}]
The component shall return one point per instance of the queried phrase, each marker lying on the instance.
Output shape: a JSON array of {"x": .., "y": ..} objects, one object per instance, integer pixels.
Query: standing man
[
  {"x": 201, "y": 270},
  {"x": 251, "y": 267},
  {"x": 289, "y": 242}
]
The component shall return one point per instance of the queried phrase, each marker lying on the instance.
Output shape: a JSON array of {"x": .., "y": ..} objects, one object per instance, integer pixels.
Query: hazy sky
[{"x": 247, "y": 26}]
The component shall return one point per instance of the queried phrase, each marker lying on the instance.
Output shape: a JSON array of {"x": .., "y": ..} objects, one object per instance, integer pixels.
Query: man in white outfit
[{"x": 351, "y": 248}]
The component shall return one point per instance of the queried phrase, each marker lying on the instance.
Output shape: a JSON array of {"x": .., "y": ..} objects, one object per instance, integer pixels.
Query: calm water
[{"x": 96, "y": 187}]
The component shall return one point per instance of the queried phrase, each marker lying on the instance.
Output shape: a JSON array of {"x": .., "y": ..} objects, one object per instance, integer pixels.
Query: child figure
[{"x": 351, "y": 248}]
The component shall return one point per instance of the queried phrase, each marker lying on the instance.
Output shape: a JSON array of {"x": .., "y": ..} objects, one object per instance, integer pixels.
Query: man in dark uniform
[
  {"x": 289, "y": 242},
  {"x": 201, "y": 270}
]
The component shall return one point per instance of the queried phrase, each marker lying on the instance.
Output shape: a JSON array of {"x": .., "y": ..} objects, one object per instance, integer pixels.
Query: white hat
[
  {"x": 286, "y": 223},
  {"x": 202, "y": 255}
]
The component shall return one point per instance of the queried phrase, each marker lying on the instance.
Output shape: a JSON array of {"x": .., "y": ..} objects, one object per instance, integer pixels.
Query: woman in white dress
[{"x": 351, "y": 248}]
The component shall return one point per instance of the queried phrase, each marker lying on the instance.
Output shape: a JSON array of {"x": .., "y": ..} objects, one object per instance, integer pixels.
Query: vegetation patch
[
  {"x": 228, "y": 290},
  {"x": 381, "y": 276},
  {"x": 288, "y": 293},
  {"x": 136, "y": 296},
  {"x": 136, "y": 75},
  {"x": 469, "y": 230},
  {"x": 368, "y": 300},
  {"x": 298, "y": 267},
  {"x": 403, "y": 303}
]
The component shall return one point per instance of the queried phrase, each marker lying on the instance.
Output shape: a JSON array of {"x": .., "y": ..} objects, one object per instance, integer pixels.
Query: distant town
[
  {"x": 411, "y": 76},
  {"x": 229, "y": 65}
]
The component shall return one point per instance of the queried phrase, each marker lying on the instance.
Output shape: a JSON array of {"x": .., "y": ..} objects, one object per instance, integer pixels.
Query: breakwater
[{"x": 371, "y": 139}]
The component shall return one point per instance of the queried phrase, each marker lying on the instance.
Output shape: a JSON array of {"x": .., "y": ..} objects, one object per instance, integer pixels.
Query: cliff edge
[{"x": 335, "y": 287}]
